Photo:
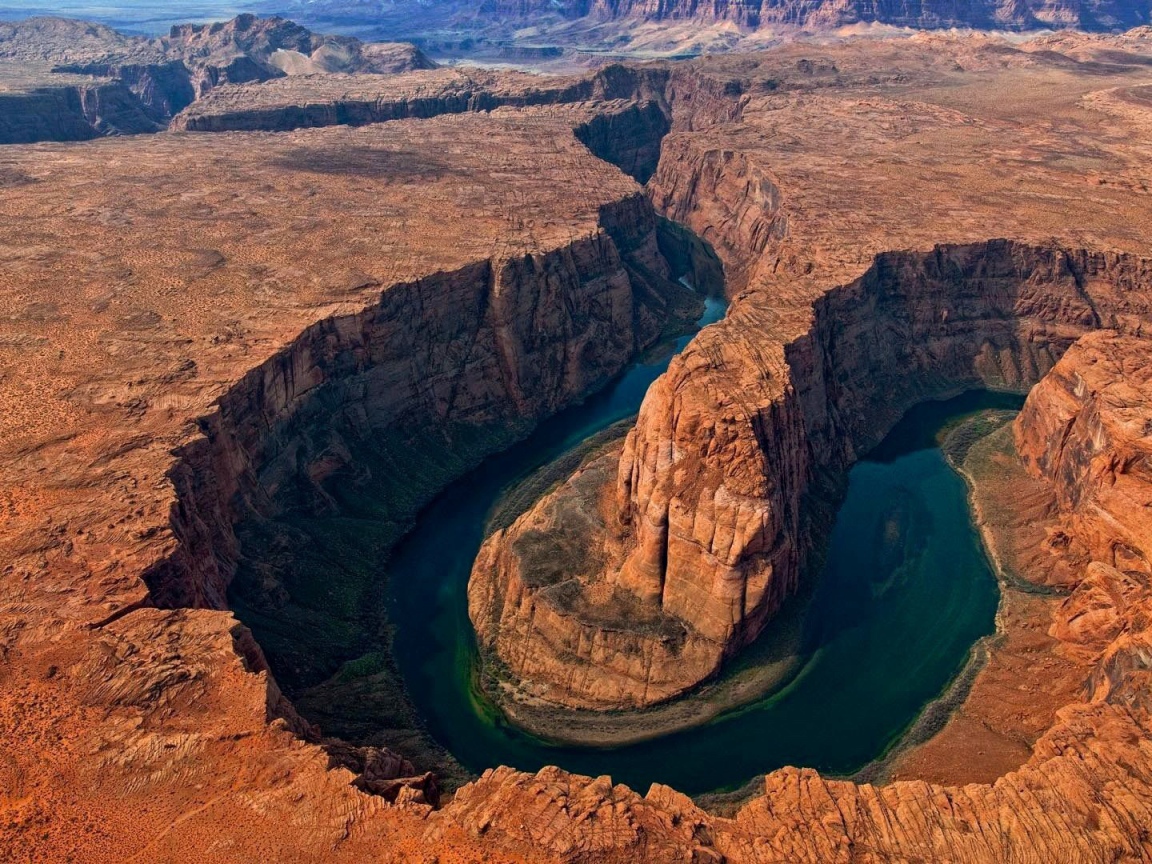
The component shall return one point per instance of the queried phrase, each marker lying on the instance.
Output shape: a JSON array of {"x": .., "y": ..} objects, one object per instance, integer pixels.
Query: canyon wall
[
  {"x": 444, "y": 370},
  {"x": 822, "y": 14},
  {"x": 997, "y": 314},
  {"x": 629, "y": 138},
  {"x": 990, "y": 14},
  {"x": 72, "y": 113},
  {"x": 360, "y": 422},
  {"x": 303, "y": 102},
  {"x": 655, "y": 99},
  {"x": 702, "y": 521},
  {"x": 725, "y": 196},
  {"x": 1085, "y": 429},
  {"x": 163, "y": 88}
]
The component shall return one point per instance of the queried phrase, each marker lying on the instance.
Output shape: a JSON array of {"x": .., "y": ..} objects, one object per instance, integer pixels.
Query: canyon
[
  {"x": 265, "y": 331},
  {"x": 581, "y": 31},
  {"x": 698, "y": 537},
  {"x": 67, "y": 80}
]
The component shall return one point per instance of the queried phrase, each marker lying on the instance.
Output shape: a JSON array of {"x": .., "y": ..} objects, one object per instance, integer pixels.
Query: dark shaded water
[{"x": 905, "y": 591}]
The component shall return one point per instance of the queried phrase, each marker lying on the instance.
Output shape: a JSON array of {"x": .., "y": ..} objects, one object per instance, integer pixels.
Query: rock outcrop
[
  {"x": 1085, "y": 429},
  {"x": 248, "y": 48},
  {"x": 66, "y": 80},
  {"x": 698, "y": 517},
  {"x": 137, "y": 732}
]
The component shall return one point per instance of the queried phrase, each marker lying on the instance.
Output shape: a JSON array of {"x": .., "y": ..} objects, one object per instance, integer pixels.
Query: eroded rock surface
[
  {"x": 197, "y": 298},
  {"x": 66, "y": 80}
]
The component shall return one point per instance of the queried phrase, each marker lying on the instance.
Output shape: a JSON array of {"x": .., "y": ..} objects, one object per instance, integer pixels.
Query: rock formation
[
  {"x": 68, "y": 80},
  {"x": 698, "y": 516},
  {"x": 309, "y": 101},
  {"x": 534, "y": 29},
  {"x": 248, "y": 48},
  {"x": 218, "y": 324},
  {"x": 1106, "y": 15},
  {"x": 1085, "y": 430}
]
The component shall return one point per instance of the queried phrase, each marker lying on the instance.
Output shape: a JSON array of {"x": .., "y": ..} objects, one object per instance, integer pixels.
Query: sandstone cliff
[
  {"x": 993, "y": 14},
  {"x": 1084, "y": 428},
  {"x": 703, "y": 511},
  {"x": 75, "y": 112},
  {"x": 538, "y": 332},
  {"x": 307, "y": 101},
  {"x": 68, "y": 80},
  {"x": 1102, "y": 15}
]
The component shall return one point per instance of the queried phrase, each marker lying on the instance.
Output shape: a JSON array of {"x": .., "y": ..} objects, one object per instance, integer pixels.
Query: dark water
[{"x": 905, "y": 592}]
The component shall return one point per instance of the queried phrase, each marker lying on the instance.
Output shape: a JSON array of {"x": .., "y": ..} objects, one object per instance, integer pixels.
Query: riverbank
[
  {"x": 985, "y": 723},
  {"x": 813, "y": 689}
]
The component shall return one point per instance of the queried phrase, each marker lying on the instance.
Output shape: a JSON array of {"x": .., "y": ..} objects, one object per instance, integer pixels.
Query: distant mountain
[
  {"x": 247, "y": 48},
  {"x": 64, "y": 79},
  {"x": 408, "y": 17}
]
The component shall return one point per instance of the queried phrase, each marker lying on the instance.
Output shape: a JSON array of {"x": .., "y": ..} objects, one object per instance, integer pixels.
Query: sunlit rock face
[
  {"x": 698, "y": 536},
  {"x": 152, "y": 285}
]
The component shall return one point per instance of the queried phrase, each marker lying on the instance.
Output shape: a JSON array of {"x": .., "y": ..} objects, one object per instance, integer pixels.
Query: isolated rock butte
[{"x": 146, "y": 732}]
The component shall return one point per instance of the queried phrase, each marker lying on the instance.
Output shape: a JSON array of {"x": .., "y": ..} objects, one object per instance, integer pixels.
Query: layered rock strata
[
  {"x": 65, "y": 80},
  {"x": 1085, "y": 430},
  {"x": 356, "y": 100},
  {"x": 479, "y": 352},
  {"x": 141, "y": 733},
  {"x": 77, "y": 111},
  {"x": 1089, "y": 15},
  {"x": 698, "y": 521}
]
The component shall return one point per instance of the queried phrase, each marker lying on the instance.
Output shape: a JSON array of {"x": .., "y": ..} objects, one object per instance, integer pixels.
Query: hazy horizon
[{"x": 150, "y": 17}]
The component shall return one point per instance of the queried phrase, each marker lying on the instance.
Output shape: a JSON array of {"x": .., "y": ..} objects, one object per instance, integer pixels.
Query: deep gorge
[
  {"x": 261, "y": 387},
  {"x": 996, "y": 313}
]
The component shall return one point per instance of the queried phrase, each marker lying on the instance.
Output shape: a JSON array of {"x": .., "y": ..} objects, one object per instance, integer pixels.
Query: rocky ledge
[
  {"x": 694, "y": 535},
  {"x": 139, "y": 731}
]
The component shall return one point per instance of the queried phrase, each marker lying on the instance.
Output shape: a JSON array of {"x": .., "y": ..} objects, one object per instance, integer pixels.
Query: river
[{"x": 905, "y": 591}]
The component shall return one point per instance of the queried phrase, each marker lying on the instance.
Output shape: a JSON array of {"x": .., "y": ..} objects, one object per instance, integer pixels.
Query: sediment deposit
[{"x": 214, "y": 303}]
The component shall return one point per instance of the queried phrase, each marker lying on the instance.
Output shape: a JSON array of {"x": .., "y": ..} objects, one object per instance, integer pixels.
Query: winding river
[{"x": 904, "y": 593}]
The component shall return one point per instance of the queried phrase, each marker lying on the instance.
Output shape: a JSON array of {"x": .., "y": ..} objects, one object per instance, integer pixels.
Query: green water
[{"x": 904, "y": 593}]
